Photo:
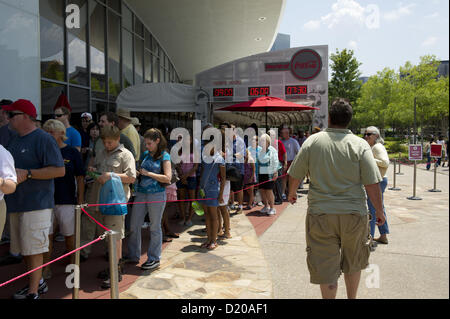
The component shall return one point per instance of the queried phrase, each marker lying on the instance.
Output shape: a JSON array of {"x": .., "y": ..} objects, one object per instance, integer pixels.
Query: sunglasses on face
[
  {"x": 59, "y": 115},
  {"x": 368, "y": 134},
  {"x": 12, "y": 114}
]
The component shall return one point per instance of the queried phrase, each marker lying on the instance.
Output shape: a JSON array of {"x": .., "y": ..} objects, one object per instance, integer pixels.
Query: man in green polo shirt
[{"x": 342, "y": 170}]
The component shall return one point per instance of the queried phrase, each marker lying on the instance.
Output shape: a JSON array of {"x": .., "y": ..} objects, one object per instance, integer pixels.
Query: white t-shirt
[{"x": 7, "y": 169}]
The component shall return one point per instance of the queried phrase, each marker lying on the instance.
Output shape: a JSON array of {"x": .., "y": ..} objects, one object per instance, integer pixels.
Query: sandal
[
  {"x": 204, "y": 245},
  {"x": 166, "y": 239},
  {"x": 211, "y": 246},
  {"x": 225, "y": 236}
]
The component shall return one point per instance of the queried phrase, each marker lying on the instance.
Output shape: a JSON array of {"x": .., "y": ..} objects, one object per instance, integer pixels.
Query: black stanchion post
[
  {"x": 394, "y": 188},
  {"x": 75, "y": 293},
  {"x": 414, "y": 197},
  {"x": 399, "y": 164},
  {"x": 434, "y": 190},
  {"x": 113, "y": 264}
]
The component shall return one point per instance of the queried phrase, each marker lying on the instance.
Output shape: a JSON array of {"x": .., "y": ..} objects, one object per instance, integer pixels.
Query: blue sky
[{"x": 382, "y": 33}]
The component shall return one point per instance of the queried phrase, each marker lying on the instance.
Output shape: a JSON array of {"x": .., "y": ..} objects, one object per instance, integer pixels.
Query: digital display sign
[
  {"x": 296, "y": 89},
  {"x": 259, "y": 91},
  {"x": 219, "y": 92}
]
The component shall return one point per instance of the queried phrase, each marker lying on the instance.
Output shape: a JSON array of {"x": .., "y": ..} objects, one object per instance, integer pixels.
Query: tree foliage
[
  {"x": 345, "y": 75},
  {"x": 387, "y": 99}
]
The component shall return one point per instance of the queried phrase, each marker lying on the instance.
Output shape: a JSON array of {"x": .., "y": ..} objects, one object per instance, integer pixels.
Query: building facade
[{"x": 91, "y": 50}]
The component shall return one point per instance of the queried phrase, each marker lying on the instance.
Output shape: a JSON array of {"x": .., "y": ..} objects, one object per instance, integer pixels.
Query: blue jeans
[
  {"x": 155, "y": 212},
  {"x": 384, "y": 229},
  {"x": 428, "y": 161}
]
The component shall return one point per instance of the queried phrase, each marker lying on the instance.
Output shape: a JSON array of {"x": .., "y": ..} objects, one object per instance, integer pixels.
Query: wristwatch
[{"x": 29, "y": 174}]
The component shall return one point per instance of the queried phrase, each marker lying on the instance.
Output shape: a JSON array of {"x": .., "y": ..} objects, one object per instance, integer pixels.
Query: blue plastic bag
[{"x": 112, "y": 193}]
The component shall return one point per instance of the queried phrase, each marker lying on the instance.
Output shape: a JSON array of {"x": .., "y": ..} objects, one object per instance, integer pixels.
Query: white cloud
[
  {"x": 401, "y": 11},
  {"x": 432, "y": 16},
  {"x": 312, "y": 25},
  {"x": 349, "y": 11},
  {"x": 430, "y": 41},
  {"x": 353, "y": 45}
]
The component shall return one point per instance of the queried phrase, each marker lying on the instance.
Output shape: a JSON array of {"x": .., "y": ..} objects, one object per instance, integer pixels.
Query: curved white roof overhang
[{"x": 200, "y": 34}]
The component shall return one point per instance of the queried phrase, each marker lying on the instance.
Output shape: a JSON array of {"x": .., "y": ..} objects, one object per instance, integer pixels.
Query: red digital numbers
[
  {"x": 296, "y": 89},
  {"x": 259, "y": 91},
  {"x": 223, "y": 92}
]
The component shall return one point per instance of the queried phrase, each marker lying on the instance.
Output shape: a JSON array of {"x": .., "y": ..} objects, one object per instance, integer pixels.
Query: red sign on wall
[
  {"x": 306, "y": 64},
  {"x": 436, "y": 150}
]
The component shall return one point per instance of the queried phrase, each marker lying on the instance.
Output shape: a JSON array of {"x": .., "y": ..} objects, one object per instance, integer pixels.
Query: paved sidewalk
[
  {"x": 415, "y": 264},
  {"x": 236, "y": 269}
]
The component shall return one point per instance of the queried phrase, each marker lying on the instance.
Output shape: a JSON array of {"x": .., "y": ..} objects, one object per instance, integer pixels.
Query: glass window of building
[
  {"x": 138, "y": 59},
  {"x": 155, "y": 69},
  {"x": 127, "y": 59},
  {"x": 148, "y": 40},
  {"x": 138, "y": 27},
  {"x": 99, "y": 107},
  {"x": 49, "y": 95},
  {"x": 97, "y": 48},
  {"x": 77, "y": 48},
  {"x": 52, "y": 39},
  {"x": 78, "y": 99},
  {"x": 148, "y": 66},
  {"x": 115, "y": 5},
  {"x": 114, "y": 55},
  {"x": 127, "y": 18}
]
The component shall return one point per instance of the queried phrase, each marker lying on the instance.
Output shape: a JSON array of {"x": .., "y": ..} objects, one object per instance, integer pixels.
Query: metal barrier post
[
  {"x": 399, "y": 164},
  {"x": 113, "y": 264},
  {"x": 414, "y": 197},
  {"x": 394, "y": 188},
  {"x": 77, "y": 253},
  {"x": 434, "y": 190}
]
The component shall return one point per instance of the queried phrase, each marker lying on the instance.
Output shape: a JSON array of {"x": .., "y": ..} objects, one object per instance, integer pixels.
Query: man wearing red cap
[{"x": 38, "y": 161}]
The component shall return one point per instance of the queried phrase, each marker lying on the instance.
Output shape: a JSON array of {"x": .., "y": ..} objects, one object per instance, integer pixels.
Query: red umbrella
[{"x": 267, "y": 104}]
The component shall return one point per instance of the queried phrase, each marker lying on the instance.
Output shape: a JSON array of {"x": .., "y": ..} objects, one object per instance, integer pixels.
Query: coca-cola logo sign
[{"x": 306, "y": 64}]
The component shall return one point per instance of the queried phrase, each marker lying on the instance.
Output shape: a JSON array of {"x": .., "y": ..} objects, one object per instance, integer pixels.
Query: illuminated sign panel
[
  {"x": 220, "y": 92},
  {"x": 296, "y": 89},
  {"x": 259, "y": 91}
]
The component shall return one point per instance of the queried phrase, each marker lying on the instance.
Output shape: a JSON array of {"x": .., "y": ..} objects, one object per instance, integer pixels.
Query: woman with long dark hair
[{"x": 155, "y": 169}]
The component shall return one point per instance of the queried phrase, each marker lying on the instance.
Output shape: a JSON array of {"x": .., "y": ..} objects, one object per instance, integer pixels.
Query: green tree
[
  {"x": 345, "y": 75},
  {"x": 421, "y": 82}
]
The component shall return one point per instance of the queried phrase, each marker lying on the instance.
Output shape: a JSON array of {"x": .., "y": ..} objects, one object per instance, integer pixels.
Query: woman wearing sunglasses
[{"x": 372, "y": 136}]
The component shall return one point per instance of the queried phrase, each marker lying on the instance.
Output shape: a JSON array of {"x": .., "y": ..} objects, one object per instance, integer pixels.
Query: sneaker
[
  {"x": 239, "y": 210},
  {"x": 23, "y": 293},
  {"x": 283, "y": 197},
  {"x": 106, "y": 284},
  {"x": 10, "y": 260},
  {"x": 265, "y": 210},
  {"x": 128, "y": 260},
  {"x": 188, "y": 223},
  {"x": 149, "y": 265},
  {"x": 5, "y": 240},
  {"x": 32, "y": 296},
  {"x": 271, "y": 211},
  {"x": 260, "y": 204},
  {"x": 59, "y": 238}
]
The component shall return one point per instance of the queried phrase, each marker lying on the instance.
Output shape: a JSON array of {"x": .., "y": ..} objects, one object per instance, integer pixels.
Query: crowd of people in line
[
  {"x": 46, "y": 172},
  {"x": 49, "y": 168}
]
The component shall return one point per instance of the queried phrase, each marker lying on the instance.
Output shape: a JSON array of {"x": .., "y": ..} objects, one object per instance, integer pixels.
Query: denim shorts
[{"x": 191, "y": 183}]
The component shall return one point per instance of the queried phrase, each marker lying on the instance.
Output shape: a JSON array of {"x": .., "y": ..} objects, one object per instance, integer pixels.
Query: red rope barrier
[
  {"x": 179, "y": 200},
  {"x": 51, "y": 262},
  {"x": 101, "y": 238},
  {"x": 95, "y": 221}
]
